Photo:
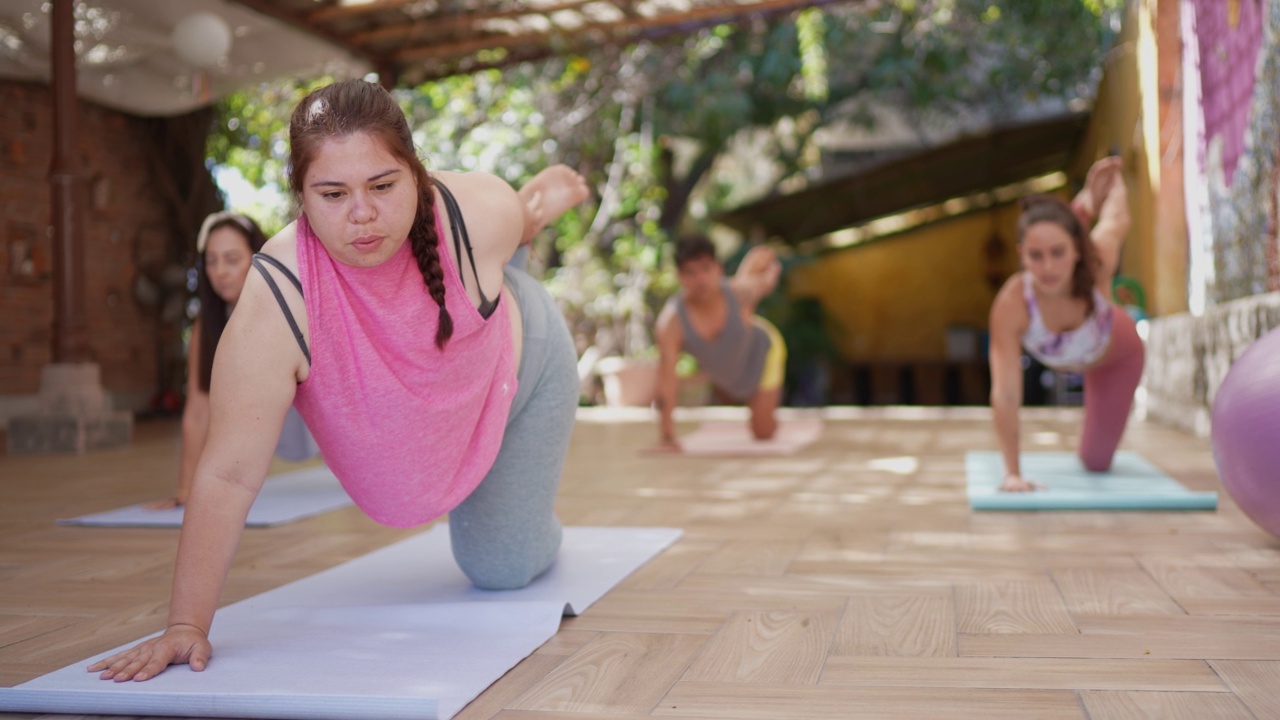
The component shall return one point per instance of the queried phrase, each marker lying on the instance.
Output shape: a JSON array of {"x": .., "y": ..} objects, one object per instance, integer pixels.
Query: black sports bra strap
[
  {"x": 281, "y": 267},
  {"x": 458, "y": 227},
  {"x": 451, "y": 207},
  {"x": 284, "y": 306}
]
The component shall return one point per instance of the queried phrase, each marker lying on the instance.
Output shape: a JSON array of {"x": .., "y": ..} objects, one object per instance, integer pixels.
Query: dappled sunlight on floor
[{"x": 857, "y": 557}]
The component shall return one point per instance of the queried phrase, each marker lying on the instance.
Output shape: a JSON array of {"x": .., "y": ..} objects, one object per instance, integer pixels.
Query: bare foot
[
  {"x": 549, "y": 194},
  {"x": 1101, "y": 176}
]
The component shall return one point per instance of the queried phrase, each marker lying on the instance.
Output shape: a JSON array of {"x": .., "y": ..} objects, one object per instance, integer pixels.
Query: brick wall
[{"x": 126, "y": 226}]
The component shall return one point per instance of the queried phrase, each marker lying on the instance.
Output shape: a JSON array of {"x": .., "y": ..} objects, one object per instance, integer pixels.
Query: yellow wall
[
  {"x": 893, "y": 299},
  {"x": 1131, "y": 116}
]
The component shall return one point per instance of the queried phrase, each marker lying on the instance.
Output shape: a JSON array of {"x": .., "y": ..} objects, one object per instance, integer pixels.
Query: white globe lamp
[{"x": 202, "y": 39}]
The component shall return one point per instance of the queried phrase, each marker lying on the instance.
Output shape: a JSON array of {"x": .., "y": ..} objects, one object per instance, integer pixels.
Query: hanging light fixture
[{"x": 201, "y": 40}]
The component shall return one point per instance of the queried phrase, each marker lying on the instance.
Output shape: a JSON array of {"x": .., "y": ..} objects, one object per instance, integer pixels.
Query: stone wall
[
  {"x": 126, "y": 227},
  {"x": 1188, "y": 357}
]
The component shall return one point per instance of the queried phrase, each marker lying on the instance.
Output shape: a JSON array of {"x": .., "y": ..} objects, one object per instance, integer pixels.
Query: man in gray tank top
[{"x": 713, "y": 319}]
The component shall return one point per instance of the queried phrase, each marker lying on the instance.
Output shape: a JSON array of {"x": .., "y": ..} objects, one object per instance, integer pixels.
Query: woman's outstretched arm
[
  {"x": 1008, "y": 320},
  {"x": 255, "y": 375}
]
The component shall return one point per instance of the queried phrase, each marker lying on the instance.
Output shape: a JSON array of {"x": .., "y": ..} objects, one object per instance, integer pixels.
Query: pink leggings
[{"x": 1108, "y": 393}]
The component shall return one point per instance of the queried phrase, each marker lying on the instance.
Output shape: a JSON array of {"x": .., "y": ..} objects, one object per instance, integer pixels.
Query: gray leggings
[{"x": 506, "y": 533}]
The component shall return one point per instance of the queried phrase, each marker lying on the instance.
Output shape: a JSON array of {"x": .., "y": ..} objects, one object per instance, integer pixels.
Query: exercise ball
[
  {"x": 202, "y": 39},
  {"x": 1245, "y": 432}
]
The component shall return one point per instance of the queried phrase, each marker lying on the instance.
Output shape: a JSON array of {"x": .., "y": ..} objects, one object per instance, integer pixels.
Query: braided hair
[
  {"x": 1038, "y": 208},
  {"x": 355, "y": 106}
]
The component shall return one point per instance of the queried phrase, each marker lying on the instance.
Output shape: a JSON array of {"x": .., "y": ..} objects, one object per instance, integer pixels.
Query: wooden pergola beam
[
  {"x": 271, "y": 9},
  {"x": 423, "y": 52},
  {"x": 428, "y": 29},
  {"x": 333, "y": 12},
  {"x": 454, "y": 66},
  {"x": 698, "y": 17}
]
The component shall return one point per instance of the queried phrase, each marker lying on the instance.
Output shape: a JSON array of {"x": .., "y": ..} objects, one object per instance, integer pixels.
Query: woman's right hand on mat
[
  {"x": 1015, "y": 483},
  {"x": 166, "y": 504},
  {"x": 668, "y": 445},
  {"x": 178, "y": 645}
]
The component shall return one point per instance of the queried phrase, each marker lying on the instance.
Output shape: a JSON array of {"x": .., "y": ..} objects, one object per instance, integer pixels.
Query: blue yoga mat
[{"x": 1131, "y": 484}]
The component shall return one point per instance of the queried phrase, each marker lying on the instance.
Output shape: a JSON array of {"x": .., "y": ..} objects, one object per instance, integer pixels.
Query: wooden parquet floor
[{"x": 848, "y": 581}]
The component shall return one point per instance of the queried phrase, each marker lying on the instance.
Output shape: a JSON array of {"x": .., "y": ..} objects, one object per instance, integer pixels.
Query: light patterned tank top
[{"x": 1072, "y": 349}]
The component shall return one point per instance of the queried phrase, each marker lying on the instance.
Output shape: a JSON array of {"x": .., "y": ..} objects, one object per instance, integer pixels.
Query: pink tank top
[
  {"x": 1076, "y": 348},
  {"x": 409, "y": 429}
]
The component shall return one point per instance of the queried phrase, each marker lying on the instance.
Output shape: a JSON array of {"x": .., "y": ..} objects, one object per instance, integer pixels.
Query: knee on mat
[
  {"x": 1096, "y": 464},
  {"x": 508, "y": 573},
  {"x": 764, "y": 433},
  {"x": 493, "y": 576}
]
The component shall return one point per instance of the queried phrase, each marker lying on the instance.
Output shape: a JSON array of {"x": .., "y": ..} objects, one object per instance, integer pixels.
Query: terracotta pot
[{"x": 628, "y": 381}]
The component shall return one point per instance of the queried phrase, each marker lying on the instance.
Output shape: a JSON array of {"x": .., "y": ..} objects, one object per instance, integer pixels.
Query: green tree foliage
[{"x": 944, "y": 57}]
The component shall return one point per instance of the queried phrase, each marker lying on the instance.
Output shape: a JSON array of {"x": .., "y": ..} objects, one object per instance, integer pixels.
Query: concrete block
[
  {"x": 73, "y": 389},
  {"x": 68, "y": 434}
]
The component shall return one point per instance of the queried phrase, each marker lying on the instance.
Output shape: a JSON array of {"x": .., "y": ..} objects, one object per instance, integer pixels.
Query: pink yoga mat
[{"x": 732, "y": 438}]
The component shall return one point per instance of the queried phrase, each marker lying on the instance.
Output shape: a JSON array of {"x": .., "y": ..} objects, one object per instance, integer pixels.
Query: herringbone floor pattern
[{"x": 850, "y": 580}]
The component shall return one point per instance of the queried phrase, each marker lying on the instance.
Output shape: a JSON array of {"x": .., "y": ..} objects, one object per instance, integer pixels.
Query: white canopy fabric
[{"x": 127, "y": 60}]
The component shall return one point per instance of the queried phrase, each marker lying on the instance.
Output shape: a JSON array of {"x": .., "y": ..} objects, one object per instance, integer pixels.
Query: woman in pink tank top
[
  {"x": 435, "y": 377},
  {"x": 1059, "y": 308}
]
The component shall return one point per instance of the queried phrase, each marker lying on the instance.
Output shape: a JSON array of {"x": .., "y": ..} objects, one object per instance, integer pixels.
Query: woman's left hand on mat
[
  {"x": 1015, "y": 483},
  {"x": 179, "y": 644},
  {"x": 667, "y": 446},
  {"x": 166, "y": 504}
]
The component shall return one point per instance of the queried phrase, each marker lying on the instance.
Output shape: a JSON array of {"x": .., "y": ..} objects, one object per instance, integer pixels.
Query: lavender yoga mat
[{"x": 398, "y": 633}]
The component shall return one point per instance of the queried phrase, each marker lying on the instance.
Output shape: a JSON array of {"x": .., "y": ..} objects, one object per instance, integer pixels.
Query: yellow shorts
[{"x": 775, "y": 361}]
